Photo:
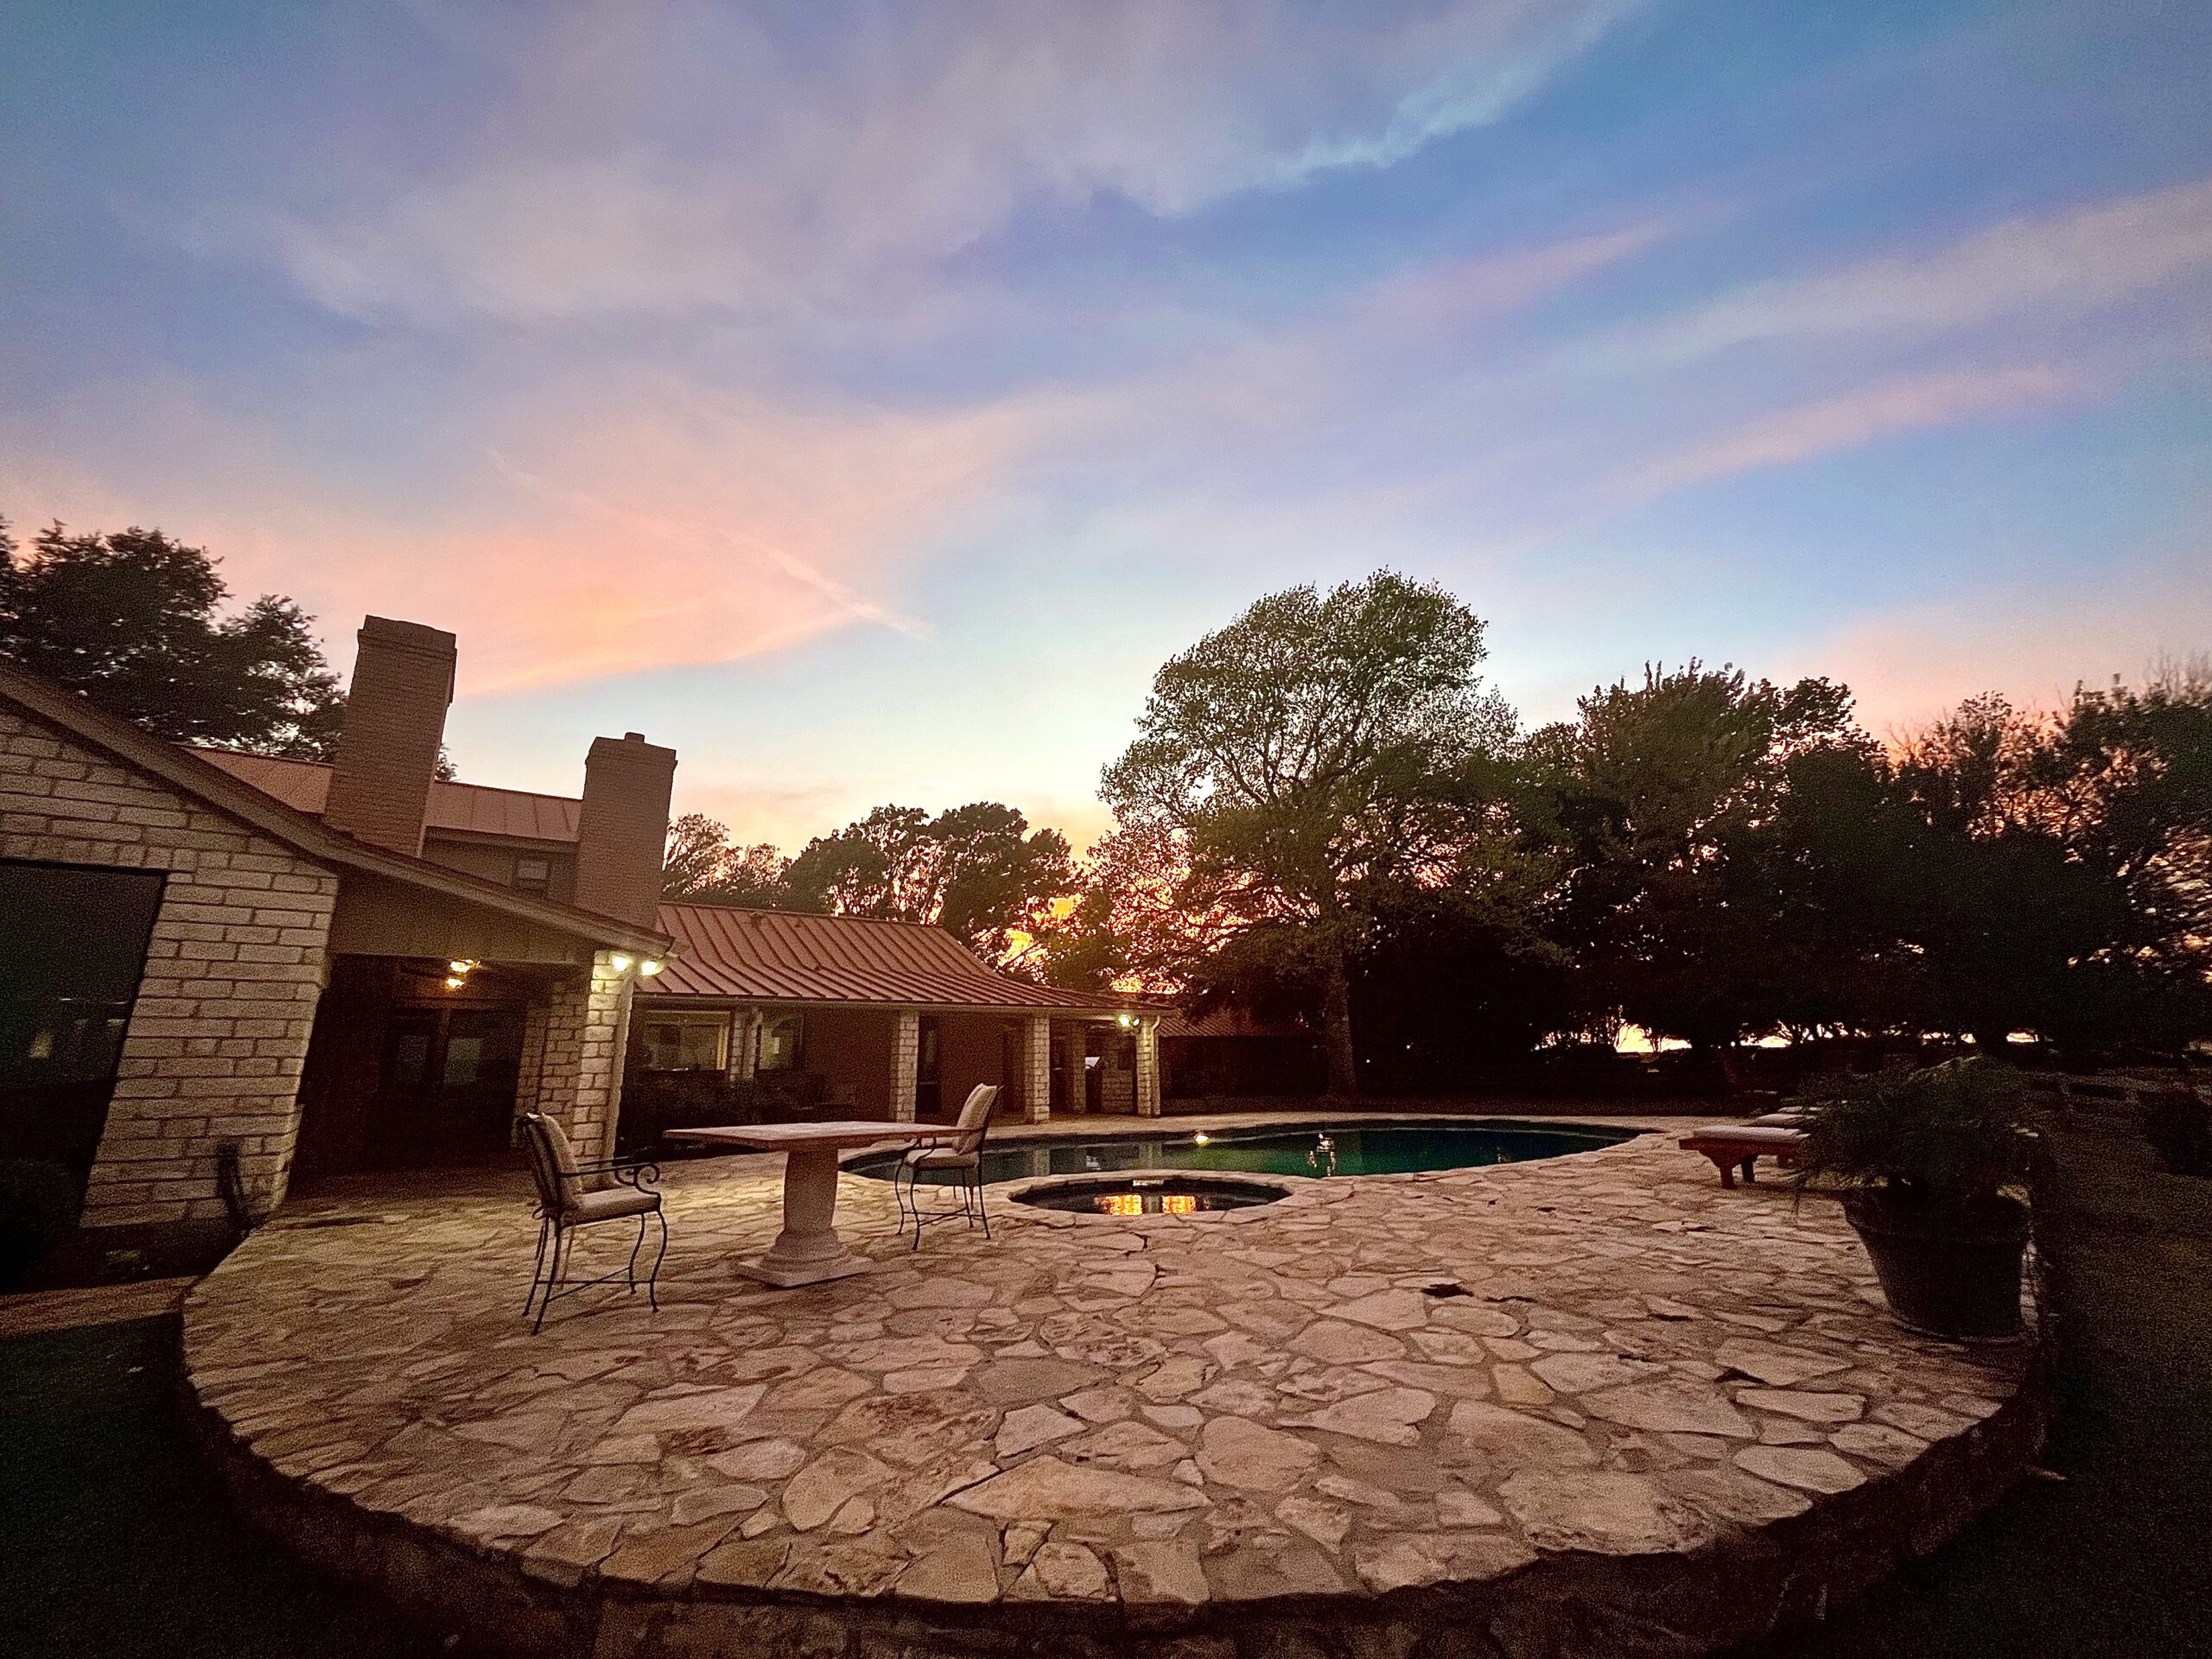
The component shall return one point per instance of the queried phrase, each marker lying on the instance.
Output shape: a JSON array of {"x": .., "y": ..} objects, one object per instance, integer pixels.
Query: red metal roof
[
  {"x": 467, "y": 809},
  {"x": 774, "y": 955}
]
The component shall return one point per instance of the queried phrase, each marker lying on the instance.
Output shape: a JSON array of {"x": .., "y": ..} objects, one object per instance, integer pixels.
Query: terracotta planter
[{"x": 1950, "y": 1271}]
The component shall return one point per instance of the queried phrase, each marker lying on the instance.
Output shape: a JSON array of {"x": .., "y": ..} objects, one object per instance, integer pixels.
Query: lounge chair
[
  {"x": 572, "y": 1195},
  {"x": 1733, "y": 1147},
  {"x": 963, "y": 1155}
]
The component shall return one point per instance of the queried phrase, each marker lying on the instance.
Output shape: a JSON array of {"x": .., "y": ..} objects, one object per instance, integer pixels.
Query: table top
[{"x": 782, "y": 1137}]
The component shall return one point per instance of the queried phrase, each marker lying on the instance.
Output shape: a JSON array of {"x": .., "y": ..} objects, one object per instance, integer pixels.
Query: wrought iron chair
[
  {"x": 572, "y": 1195},
  {"x": 963, "y": 1156}
]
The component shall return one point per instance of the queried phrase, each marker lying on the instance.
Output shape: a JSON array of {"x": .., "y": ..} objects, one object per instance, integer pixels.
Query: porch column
[
  {"x": 1148, "y": 1068},
  {"x": 906, "y": 1053},
  {"x": 1037, "y": 1068},
  {"x": 744, "y": 1043},
  {"x": 579, "y": 1070}
]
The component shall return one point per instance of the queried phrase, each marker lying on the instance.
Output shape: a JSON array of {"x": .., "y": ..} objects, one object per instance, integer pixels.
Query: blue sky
[{"x": 866, "y": 398}]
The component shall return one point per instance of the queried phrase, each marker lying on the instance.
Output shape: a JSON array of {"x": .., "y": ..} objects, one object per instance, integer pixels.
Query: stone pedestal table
[{"x": 808, "y": 1250}]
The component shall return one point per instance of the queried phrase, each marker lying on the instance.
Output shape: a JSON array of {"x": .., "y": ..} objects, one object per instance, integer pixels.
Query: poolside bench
[{"x": 1732, "y": 1146}]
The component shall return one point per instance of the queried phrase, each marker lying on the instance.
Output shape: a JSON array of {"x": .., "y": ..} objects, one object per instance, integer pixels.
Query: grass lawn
[{"x": 114, "y": 1543}]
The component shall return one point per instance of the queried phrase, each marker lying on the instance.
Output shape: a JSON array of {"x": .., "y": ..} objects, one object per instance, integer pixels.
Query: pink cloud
[{"x": 605, "y": 527}]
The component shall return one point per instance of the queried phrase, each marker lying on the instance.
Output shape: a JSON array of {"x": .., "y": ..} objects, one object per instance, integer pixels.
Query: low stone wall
[{"x": 1571, "y": 1607}]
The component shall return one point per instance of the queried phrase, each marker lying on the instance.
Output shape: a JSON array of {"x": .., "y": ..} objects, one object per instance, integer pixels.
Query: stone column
[
  {"x": 580, "y": 1072},
  {"x": 1037, "y": 1068},
  {"x": 744, "y": 1043},
  {"x": 1148, "y": 1068},
  {"x": 906, "y": 1054}
]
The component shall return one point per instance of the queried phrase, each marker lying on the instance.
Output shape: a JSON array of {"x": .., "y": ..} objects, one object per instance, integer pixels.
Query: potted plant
[{"x": 1924, "y": 1157}]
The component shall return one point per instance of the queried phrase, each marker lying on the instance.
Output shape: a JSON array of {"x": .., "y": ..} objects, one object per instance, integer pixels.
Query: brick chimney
[
  {"x": 624, "y": 830},
  {"x": 395, "y": 720}
]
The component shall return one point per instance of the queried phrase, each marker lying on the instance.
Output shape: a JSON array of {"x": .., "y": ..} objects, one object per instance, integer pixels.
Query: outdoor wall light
[
  {"x": 461, "y": 967},
  {"x": 619, "y": 962},
  {"x": 649, "y": 967},
  {"x": 454, "y": 981},
  {"x": 1126, "y": 1021}
]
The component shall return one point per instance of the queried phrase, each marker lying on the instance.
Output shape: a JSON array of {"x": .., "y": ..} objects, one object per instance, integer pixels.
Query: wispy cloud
[
  {"x": 1807, "y": 430},
  {"x": 680, "y": 158},
  {"x": 2059, "y": 264}
]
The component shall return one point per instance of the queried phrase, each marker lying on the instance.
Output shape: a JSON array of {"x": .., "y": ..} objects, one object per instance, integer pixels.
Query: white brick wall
[
  {"x": 220, "y": 1028},
  {"x": 572, "y": 1055}
]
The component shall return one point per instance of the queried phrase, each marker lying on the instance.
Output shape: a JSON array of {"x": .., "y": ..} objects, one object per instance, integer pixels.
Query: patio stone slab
[{"x": 1087, "y": 1436}]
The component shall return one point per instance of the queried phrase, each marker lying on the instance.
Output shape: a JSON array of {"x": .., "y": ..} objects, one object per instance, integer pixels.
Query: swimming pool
[{"x": 1321, "y": 1149}]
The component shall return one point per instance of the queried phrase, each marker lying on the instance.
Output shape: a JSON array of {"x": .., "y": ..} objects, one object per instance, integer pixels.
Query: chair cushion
[
  {"x": 941, "y": 1157},
  {"x": 1750, "y": 1135},
  {"x": 564, "y": 1159},
  {"x": 611, "y": 1201},
  {"x": 1788, "y": 1117}
]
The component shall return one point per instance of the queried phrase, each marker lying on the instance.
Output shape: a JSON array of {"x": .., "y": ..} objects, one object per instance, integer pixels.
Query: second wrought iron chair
[{"x": 957, "y": 1162}]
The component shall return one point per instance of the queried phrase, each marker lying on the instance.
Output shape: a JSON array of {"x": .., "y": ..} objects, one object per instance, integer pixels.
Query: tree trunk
[{"x": 1336, "y": 1031}]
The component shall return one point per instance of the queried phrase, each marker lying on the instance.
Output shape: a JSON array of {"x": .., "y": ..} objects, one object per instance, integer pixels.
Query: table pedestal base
[{"x": 808, "y": 1250}]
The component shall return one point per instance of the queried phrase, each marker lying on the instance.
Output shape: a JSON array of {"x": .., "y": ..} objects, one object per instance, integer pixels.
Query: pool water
[
  {"x": 1320, "y": 1150},
  {"x": 1150, "y": 1195}
]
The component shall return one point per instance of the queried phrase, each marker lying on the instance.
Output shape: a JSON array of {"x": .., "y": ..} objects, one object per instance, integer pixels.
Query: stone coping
[{"x": 1588, "y": 1405}]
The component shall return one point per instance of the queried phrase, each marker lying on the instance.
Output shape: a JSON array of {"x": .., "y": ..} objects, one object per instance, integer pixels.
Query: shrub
[
  {"x": 39, "y": 1205},
  {"x": 1949, "y": 1134}
]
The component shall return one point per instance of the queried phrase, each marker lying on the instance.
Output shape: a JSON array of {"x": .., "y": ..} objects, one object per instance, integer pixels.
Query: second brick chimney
[
  {"x": 623, "y": 832},
  {"x": 395, "y": 723}
]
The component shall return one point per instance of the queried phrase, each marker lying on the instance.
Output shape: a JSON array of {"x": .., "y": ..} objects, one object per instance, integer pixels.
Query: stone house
[{"x": 213, "y": 959}]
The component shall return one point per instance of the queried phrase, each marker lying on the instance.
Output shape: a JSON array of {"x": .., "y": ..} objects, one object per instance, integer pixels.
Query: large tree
[
  {"x": 979, "y": 871},
  {"x": 1322, "y": 748},
  {"x": 135, "y": 621}
]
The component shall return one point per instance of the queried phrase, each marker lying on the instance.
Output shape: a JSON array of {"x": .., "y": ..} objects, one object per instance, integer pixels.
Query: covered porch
[
  {"x": 441, "y": 1020},
  {"x": 905, "y": 1065}
]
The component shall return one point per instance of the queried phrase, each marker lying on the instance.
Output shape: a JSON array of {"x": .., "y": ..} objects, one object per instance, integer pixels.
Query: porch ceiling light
[
  {"x": 649, "y": 967},
  {"x": 619, "y": 962},
  {"x": 1126, "y": 1020}
]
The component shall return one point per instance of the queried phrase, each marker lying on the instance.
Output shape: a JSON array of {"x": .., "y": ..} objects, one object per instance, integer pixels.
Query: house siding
[{"x": 219, "y": 1031}]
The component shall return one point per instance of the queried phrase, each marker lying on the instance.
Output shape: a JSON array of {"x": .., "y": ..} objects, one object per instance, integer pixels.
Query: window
[
  {"x": 780, "y": 1043},
  {"x": 73, "y": 946},
  {"x": 686, "y": 1042},
  {"x": 533, "y": 874}
]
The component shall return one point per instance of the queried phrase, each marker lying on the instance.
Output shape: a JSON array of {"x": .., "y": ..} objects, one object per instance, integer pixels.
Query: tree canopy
[
  {"x": 979, "y": 871},
  {"x": 1326, "y": 815},
  {"x": 134, "y": 619},
  {"x": 1320, "y": 749}
]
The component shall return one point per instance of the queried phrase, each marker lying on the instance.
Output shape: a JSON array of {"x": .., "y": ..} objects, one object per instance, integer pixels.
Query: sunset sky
[{"x": 866, "y": 398}]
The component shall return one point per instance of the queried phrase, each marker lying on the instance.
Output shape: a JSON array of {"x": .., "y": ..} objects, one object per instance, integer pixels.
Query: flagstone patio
[{"x": 1590, "y": 1405}]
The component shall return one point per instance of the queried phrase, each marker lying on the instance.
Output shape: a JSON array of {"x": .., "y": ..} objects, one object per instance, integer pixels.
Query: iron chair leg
[
  {"x": 536, "y": 1268},
  {"x": 545, "y": 1302},
  {"x": 652, "y": 1279}
]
